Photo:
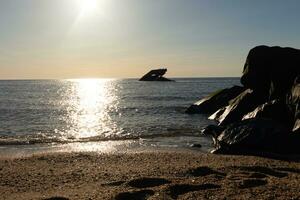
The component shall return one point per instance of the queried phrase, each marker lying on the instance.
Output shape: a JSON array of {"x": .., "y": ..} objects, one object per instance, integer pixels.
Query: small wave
[{"x": 26, "y": 140}]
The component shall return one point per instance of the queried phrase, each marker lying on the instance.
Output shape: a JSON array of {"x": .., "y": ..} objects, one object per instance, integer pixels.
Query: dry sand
[{"x": 148, "y": 175}]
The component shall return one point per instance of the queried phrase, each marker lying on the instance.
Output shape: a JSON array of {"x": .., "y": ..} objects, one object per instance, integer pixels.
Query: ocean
[{"x": 102, "y": 115}]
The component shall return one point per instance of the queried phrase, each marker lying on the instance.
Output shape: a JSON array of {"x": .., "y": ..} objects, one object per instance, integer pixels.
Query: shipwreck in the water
[{"x": 155, "y": 75}]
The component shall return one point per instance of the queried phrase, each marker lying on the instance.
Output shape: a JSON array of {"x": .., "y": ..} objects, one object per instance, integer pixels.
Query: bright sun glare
[
  {"x": 89, "y": 107},
  {"x": 87, "y": 6}
]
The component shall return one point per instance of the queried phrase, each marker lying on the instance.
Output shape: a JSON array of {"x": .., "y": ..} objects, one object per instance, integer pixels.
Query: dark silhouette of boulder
[
  {"x": 296, "y": 128},
  {"x": 275, "y": 110},
  {"x": 271, "y": 70},
  {"x": 215, "y": 101},
  {"x": 293, "y": 101},
  {"x": 238, "y": 107},
  {"x": 265, "y": 114},
  {"x": 217, "y": 115},
  {"x": 155, "y": 75},
  {"x": 212, "y": 130},
  {"x": 251, "y": 135}
]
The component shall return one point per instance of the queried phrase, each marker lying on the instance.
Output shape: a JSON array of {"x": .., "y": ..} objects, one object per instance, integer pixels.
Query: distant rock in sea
[
  {"x": 263, "y": 115},
  {"x": 155, "y": 75}
]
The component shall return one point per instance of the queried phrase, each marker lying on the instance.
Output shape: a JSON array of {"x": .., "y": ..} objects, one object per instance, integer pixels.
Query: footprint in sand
[
  {"x": 285, "y": 169},
  {"x": 246, "y": 174},
  {"x": 203, "y": 171},
  {"x": 249, "y": 183},
  {"x": 175, "y": 190},
  {"x": 135, "y": 195},
  {"x": 257, "y": 175},
  {"x": 263, "y": 170},
  {"x": 147, "y": 182}
]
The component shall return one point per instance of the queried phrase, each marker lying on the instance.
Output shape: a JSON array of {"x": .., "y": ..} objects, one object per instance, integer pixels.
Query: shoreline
[
  {"x": 161, "y": 174},
  {"x": 178, "y": 143}
]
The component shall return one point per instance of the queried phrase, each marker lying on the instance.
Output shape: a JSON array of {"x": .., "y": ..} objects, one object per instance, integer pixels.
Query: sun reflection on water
[{"x": 90, "y": 104}]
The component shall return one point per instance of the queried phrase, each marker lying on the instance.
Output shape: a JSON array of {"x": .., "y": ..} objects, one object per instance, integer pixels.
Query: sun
[
  {"x": 92, "y": 9},
  {"x": 87, "y": 6}
]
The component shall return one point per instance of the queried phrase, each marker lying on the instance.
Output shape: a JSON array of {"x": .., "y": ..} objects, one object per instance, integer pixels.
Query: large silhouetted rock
[
  {"x": 293, "y": 101},
  {"x": 265, "y": 116},
  {"x": 276, "y": 110},
  {"x": 244, "y": 103},
  {"x": 215, "y": 101},
  {"x": 252, "y": 135},
  {"x": 271, "y": 70},
  {"x": 155, "y": 75}
]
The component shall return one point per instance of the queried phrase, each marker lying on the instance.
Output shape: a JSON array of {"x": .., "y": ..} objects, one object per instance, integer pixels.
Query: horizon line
[{"x": 113, "y": 78}]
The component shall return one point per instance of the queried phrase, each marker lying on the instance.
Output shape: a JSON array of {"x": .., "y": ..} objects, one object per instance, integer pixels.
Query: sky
[{"x": 57, "y": 39}]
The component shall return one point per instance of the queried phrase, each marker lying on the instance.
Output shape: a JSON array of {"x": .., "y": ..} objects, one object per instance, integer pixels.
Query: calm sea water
[{"x": 39, "y": 113}]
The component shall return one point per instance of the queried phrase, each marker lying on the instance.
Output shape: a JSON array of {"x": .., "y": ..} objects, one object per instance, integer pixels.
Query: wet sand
[{"x": 148, "y": 175}]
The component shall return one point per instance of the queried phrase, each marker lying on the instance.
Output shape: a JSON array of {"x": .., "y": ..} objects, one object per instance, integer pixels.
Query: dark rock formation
[
  {"x": 296, "y": 128},
  {"x": 276, "y": 110},
  {"x": 271, "y": 70},
  {"x": 264, "y": 115},
  {"x": 238, "y": 107},
  {"x": 293, "y": 101},
  {"x": 213, "y": 130},
  {"x": 249, "y": 136},
  {"x": 215, "y": 101},
  {"x": 155, "y": 75}
]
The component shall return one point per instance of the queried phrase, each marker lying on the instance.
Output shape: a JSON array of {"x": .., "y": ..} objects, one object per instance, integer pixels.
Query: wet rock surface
[
  {"x": 275, "y": 110},
  {"x": 293, "y": 100},
  {"x": 251, "y": 135},
  {"x": 215, "y": 101},
  {"x": 239, "y": 106},
  {"x": 264, "y": 115}
]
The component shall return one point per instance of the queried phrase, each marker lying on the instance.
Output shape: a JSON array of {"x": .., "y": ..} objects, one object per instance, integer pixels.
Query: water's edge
[{"x": 71, "y": 115}]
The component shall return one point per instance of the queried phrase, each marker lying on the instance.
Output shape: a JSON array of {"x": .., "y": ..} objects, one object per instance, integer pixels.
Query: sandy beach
[{"x": 148, "y": 175}]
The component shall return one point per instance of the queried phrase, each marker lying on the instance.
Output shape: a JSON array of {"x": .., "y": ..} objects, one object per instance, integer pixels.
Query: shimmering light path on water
[
  {"x": 89, "y": 102},
  {"x": 61, "y": 112}
]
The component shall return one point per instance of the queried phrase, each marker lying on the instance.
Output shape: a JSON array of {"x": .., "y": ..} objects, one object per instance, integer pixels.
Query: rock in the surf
[
  {"x": 250, "y": 136},
  {"x": 276, "y": 110},
  {"x": 238, "y": 107},
  {"x": 215, "y": 101},
  {"x": 265, "y": 115}
]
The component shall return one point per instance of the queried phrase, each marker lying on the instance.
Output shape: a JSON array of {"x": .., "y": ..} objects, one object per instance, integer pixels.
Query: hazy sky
[{"x": 126, "y": 38}]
